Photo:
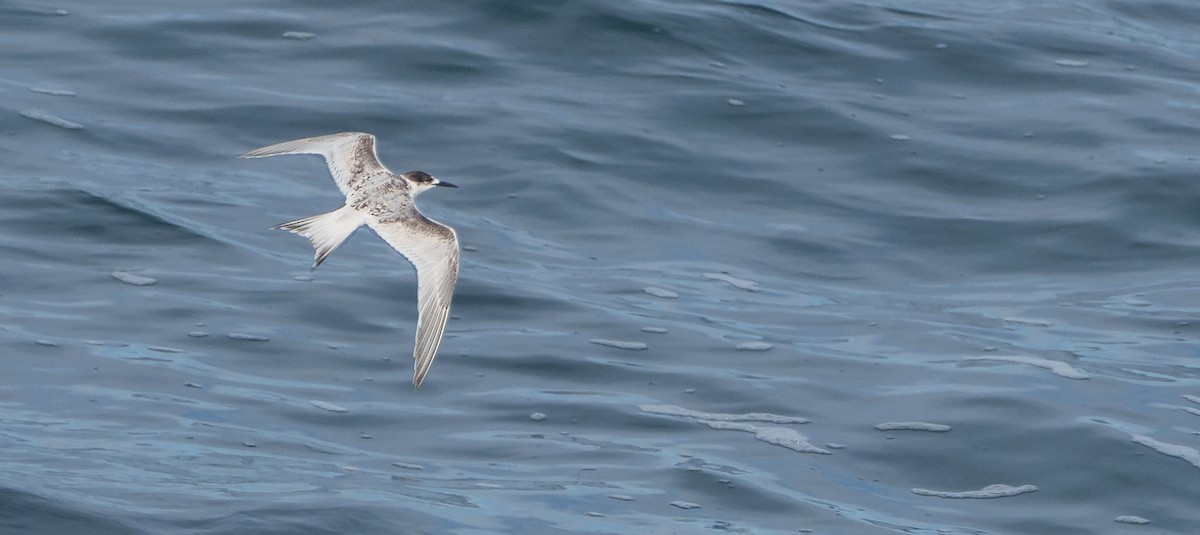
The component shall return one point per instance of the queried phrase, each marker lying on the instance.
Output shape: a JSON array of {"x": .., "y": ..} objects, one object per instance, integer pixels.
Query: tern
[{"x": 385, "y": 203}]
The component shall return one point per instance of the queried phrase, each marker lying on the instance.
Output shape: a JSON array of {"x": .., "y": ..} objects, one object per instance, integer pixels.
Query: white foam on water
[
  {"x": 619, "y": 344},
  {"x": 990, "y": 491},
  {"x": 741, "y": 284},
  {"x": 913, "y": 426},
  {"x": 1059, "y": 368},
  {"x": 53, "y": 92},
  {"x": 299, "y": 36},
  {"x": 685, "y": 505},
  {"x": 324, "y": 405},
  {"x": 408, "y": 466},
  {"x": 1172, "y": 450},
  {"x": 1191, "y": 398},
  {"x": 39, "y": 115},
  {"x": 655, "y": 330},
  {"x": 660, "y": 292},
  {"x": 248, "y": 337},
  {"x": 779, "y": 436},
  {"x": 754, "y": 346},
  {"x": 1131, "y": 519},
  {"x": 672, "y": 410},
  {"x": 1029, "y": 321},
  {"x": 129, "y": 278}
]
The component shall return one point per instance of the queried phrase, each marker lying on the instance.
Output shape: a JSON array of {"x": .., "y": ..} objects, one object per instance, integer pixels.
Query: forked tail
[{"x": 327, "y": 231}]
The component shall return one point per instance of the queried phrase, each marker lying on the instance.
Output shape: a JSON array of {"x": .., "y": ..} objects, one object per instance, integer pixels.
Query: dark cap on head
[{"x": 420, "y": 177}]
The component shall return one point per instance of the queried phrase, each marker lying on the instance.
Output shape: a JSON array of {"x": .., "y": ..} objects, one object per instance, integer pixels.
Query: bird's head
[{"x": 421, "y": 181}]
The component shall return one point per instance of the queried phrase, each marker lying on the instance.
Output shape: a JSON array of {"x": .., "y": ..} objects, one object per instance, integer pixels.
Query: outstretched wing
[
  {"x": 433, "y": 249},
  {"x": 349, "y": 155}
]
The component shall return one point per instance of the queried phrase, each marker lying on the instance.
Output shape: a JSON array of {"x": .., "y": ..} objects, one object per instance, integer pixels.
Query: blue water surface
[{"x": 688, "y": 226}]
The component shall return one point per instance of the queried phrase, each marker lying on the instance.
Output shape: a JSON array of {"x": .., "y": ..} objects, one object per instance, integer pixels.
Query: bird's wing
[
  {"x": 433, "y": 249},
  {"x": 349, "y": 155}
]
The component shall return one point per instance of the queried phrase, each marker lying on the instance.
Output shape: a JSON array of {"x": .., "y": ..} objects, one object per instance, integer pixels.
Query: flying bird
[{"x": 385, "y": 203}]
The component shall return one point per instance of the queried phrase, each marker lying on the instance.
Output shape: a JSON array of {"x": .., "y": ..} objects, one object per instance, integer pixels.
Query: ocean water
[{"x": 909, "y": 266}]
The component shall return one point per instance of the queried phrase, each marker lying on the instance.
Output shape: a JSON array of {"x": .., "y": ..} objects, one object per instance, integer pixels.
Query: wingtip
[
  {"x": 256, "y": 153},
  {"x": 319, "y": 259}
]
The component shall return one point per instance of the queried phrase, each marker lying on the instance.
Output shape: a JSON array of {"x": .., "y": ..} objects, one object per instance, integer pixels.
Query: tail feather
[{"x": 326, "y": 231}]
